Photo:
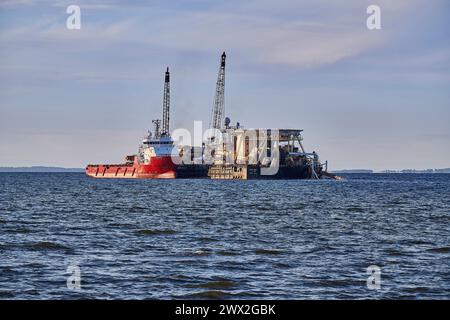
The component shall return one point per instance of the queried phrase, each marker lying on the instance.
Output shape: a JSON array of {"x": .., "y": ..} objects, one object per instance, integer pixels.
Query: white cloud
[
  {"x": 295, "y": 42},
  {"x": 6, "y": 3}
]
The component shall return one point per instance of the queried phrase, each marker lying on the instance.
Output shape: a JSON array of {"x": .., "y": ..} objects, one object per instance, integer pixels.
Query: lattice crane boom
[
  {"x": 165, "y": 130},
  {"x": 219, "y": 99}
]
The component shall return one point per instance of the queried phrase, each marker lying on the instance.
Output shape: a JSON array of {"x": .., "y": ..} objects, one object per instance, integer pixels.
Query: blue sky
[{"x": 366, "y": 98}]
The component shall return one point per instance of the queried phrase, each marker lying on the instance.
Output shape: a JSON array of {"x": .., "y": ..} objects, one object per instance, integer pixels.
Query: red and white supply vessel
[{"x": 153, "y": 160}]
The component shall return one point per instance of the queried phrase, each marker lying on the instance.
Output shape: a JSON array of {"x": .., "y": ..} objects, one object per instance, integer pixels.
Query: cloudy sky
[{"x": 375, "y": 99}]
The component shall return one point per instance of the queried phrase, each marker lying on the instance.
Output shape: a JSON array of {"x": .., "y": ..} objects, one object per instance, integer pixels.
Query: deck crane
[
  {"x": 162, "y": 130},
  {"x": 219, "y": 99}
]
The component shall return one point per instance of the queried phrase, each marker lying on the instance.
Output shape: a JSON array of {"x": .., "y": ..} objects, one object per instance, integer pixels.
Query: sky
[{"x": 376, "y": 99}]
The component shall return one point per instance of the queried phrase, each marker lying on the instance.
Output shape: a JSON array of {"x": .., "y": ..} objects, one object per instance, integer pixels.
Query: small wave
[
  {"x": 417, "y": 290},
  {"x": 134, "y": 209},
  {"x": 7, "y": 269},
  {"x": 227, "y": 253},
  {"x": 394, "y": 252},
  {"x": 35, "y": 265},
  {"x": 207, "y": 239},
  {"x": 6, "y": 294},
  {"x": 417, "y": 242},
  {"x": 20, "y": 230},
  {"x": 155, "y": 232},
  {"x": 265, "y": 208},
  {"x": 210, "y": 294},
  {"x": 396, "y": 203},
  {"x": 355, "y": 209},
  {"x": 202, "y": 252},
  {"x": 268, "y": 251},
  {"x": 281, "y": 265},
  {"x": 339, "y": 282},
  {"x": 217, "y": 285},
  {"x": 32, "y": 292},
  {"x": 47, "y": 245},
  {"x": 440, "y": 250},
  {"x": 121, "y": 225}
]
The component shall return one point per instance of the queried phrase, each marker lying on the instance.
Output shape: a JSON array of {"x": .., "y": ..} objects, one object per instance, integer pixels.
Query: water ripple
[{"x": 202, "y": 239}]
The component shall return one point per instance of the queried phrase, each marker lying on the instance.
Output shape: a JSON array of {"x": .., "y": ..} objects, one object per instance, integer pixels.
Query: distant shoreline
[
  {"x": 443, "y": 170},
  {"x": 40, "y": 169}
]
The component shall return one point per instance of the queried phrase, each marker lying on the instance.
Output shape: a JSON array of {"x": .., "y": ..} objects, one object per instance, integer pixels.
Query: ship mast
[
  {"x": 219, "y": 99},
  {"x": 166, "y": 105}
]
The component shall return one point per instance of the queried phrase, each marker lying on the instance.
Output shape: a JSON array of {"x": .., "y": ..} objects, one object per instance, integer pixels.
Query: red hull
[{"x": 160, "y": 167}]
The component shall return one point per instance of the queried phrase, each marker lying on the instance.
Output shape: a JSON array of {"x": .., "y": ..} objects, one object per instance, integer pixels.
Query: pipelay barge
[{"x": 232, "y": 152}]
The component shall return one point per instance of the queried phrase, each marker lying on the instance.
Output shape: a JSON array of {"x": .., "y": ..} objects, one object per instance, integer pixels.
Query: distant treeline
[
  {"x": 444, "y": 170},
  {"x": 39, "y": 169},
  {"x": 353, "y": 171}
]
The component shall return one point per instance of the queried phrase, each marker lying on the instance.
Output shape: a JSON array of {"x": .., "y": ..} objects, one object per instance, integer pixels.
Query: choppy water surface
[{"x": 224, "y": 239}]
